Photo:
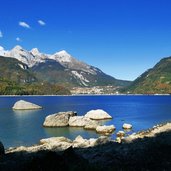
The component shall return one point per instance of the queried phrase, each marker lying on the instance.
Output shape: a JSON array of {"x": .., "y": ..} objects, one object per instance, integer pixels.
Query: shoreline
[
  {"x": 146, "y": 150},
  {"x": 86, "y": 95},
  {"x": 151, "y": 132}
]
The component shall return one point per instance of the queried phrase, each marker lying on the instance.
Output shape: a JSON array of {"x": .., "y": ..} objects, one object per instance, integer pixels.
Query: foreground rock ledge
[
  {"x": 24, "y": 105},
  {"x": 61, "y": 144}
]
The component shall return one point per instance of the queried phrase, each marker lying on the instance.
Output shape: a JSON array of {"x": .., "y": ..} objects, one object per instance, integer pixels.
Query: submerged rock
[
  {"x": 98, "y": 114},
  {"x": 60, "y": 119},
  {"x": 105, "y": 129},
  {"x": 127, "y": 126},
  {"x": 24, "y": 105}
]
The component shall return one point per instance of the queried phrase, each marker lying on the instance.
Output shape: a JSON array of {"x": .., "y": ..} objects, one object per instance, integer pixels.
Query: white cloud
[
  {"x": 1, "y": 48},
  {"x": 24, "y": 24},
  {"x": 1, "y": 34},
  {"x": 42, "y": 23},
  {"x": 18, "y": 39}
]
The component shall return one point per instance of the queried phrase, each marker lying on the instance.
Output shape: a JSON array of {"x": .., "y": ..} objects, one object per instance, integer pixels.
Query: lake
[{"x": 25, "y": 127}]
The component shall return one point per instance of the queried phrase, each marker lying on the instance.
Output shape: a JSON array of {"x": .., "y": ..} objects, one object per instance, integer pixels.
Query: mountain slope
[
  {"x": 17, "y": 79},
  {"x": 61, "y": 67},
  {"x": 14, "y": 70},
  {"x": 155, "y": 80}
]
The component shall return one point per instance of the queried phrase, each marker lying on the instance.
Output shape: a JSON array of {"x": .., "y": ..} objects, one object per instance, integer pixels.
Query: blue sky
[{"x": 121, "y": 37}]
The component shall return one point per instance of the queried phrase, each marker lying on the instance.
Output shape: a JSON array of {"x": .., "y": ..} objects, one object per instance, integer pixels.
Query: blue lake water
[{"x": 25, "y": 127}]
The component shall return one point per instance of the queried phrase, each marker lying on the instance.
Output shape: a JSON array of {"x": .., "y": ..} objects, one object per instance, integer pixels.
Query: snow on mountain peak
[
  {"x": 62, "y": 57},
  {"x": 35, "y": 51},
  {"x": 17, "y": 47}
]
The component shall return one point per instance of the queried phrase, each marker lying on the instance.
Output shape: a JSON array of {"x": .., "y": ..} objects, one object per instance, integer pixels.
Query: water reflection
[
  {"x": 70, "y": 132},
  {"x": 24, "y": 113}
]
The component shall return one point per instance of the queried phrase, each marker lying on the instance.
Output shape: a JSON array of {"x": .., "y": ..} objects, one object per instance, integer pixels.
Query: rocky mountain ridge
[{"x": 61, "y": 67}]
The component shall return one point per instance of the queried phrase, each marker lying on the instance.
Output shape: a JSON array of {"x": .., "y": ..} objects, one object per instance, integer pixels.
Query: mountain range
[{"x": 22, "y": 66}]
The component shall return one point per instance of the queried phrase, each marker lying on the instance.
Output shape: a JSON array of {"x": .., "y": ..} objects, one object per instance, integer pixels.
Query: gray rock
[
  {"x": 79, "y": 121},
  {"x": 98, "y": 114},
  {"x": 120, "y": 134},
  {"x": 105, "y": 129},
  {"x": 60, "y": 119},
  {"x": 91, "y": 125},
  {"x": 80, "y": 142},
  {"x": 24, "y": 105},
  {"x": 127, "y": 126}
]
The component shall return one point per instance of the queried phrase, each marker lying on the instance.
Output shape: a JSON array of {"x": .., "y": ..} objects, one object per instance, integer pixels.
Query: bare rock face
[
  {"x": 98, "y": 114},
  {"x": 79, "y": 121},
  {"x": 60, "y": 119},
  {"x": 127, "y": 126},
  {"x": 105, "y": 129},
  {"x": 24, "y": 105}
]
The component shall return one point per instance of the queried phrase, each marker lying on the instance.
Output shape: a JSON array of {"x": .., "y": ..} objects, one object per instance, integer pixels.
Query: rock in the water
[
  {"x": 59, "y": 119},
  {"x": 127, "y": 126},
  {"x": 120, "y": 134},
  {"x": 79, "y": 121},
  {"x": 24, "y": 105},
  {"x": 2, "y": 150},
  {"x": 105, "y": 129},
  {"x": 91, "y": 125},
  {"x": 98, "y": 114}
]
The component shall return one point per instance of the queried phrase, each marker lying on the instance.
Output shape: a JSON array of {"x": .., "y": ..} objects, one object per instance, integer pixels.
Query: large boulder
[
  {"x": 127, "y": 126},
  {"x": 79, "y": 121},
  {"x": 98, "y": 114},
  {"x": 91, "y": 125},
  {"x": 24, "y": 105},
  {"x": 60, "y": 119},
  {"x": 80, "y": 142},
  {"x": 105, "y": 129},
  {"x": 56, "y": 143}
]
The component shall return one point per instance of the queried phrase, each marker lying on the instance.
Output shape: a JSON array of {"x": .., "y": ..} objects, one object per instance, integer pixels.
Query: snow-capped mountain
[{"x": 60, "y": 67}]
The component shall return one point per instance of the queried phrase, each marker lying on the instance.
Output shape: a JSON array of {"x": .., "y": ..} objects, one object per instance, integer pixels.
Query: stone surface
[
  {"x": 105, "y": 129},
  {"x": 60, "y": 119},
  {"x": 127, "y": 126},
  {"x": 80, "y": 142},
  {"x": 24, "y": 105},
  {"x": 120, "y": 134},
  {"x": 55, "y": 140},
  {"x": 79, "y": 121},
  {"x": 98, "y": 114},
  {"x": 91, "y": 125}
]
